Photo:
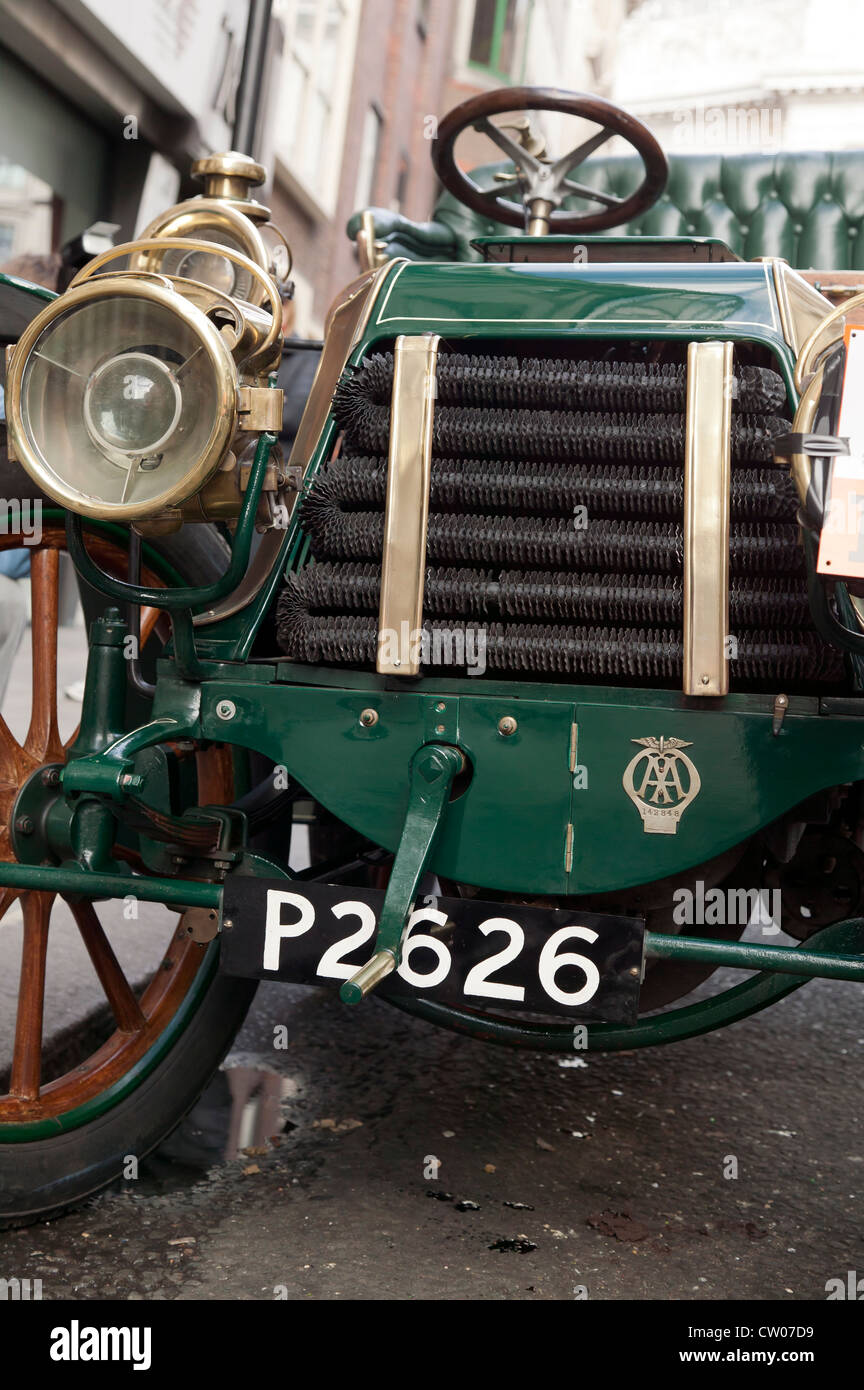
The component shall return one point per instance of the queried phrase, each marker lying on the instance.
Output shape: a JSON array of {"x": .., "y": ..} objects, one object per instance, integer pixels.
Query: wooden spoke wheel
[{"x": 143, "y": 1016}]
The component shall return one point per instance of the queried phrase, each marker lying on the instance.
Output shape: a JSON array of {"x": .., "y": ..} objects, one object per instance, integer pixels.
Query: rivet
[
  {"x": 507, "y": 725},
  {"x": 368, "y": 718},
  {"x": 440, "y": 729}
]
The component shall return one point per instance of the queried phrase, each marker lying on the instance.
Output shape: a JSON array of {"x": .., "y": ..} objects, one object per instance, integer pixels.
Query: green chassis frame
[{"x": 309, "y": 719}]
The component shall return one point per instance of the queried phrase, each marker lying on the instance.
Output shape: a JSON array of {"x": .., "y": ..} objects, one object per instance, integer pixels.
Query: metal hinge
[
  {"x": 574, "y": 745},
  {"x": 568, "y": 849}
]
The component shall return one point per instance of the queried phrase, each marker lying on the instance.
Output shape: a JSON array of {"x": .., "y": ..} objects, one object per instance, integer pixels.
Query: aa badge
[{"x": 661, "y": 781}]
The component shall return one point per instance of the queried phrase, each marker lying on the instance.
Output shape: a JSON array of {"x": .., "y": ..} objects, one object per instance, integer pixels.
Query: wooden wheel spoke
[
  {"x": 43, "y": 736},
  {"x": 149, "y": 619},
  {"x": 7, "y": 898},
  {"x": 8, "y": 793},
  {"x": 27, "y": 1058},
  {"x": 125, "y": 1007},
  {"x": 10, "y": 753},
  {"x": 34, "y": 1092}
]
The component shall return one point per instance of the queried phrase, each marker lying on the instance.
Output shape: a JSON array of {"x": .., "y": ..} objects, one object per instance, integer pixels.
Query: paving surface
[{"x": 619, "y": 1166}]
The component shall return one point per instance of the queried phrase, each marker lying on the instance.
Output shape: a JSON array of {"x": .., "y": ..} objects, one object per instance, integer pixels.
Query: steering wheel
[{"x": 546, "y": 183}]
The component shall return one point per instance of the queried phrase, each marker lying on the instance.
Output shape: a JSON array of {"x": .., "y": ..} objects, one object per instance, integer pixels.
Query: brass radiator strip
[
  {"x": 406, "y": 515},
  {"x": 707, "y": 478}
]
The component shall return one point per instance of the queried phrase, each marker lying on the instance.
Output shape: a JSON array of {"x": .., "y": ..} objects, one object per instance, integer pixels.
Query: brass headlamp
[{"x": 135, "y": 395}]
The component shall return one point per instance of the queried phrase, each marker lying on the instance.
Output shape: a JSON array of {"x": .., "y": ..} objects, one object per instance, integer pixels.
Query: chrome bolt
[
  {"x": 440, "y": 729},
  {"x": 226, "y": 709},
  {"x": 507, "y": 725},
  {"x": 227, "y": 924},
  {"x": 368, "y": 718},
  {"x": 440, "y": 707}
]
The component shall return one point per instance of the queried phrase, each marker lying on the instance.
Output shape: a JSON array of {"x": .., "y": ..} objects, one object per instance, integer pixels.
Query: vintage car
[{"x": 553, "y": 635}]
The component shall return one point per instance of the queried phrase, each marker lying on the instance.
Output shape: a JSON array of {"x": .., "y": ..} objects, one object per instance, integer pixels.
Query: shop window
[
  {"x": 493, "y": 36},
  {"x": 315, "y": 79},
  {"x": 370, "y": 149}
]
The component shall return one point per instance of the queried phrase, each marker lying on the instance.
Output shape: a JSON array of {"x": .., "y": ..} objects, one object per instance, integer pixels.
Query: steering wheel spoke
[
  {"x": 609, "y": 200},
  {"x": 519, "y": 155},
  {"x": 577, "y": 156},
  {"x": 494, "y": 194}
]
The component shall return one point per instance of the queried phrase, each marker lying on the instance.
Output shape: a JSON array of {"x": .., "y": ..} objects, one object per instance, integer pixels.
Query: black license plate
[{"x": 457, "y": 951}]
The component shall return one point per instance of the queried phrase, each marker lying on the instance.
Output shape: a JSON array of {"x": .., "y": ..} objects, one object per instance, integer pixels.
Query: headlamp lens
[
  {"x": 122, "y": 402},
  {"x": 132, "y": 403},
  {"x": 209, "y": 269}
]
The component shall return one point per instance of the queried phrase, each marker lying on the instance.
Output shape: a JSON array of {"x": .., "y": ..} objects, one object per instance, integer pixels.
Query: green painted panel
[
  {"x": 733, "y": 299},
  {"x": 747, "y": 777},
  {"x": 508, "y": 830}
]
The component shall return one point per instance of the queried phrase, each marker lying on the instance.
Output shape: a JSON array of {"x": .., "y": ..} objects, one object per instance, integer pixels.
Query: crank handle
[{"x": 367, "y": 977}]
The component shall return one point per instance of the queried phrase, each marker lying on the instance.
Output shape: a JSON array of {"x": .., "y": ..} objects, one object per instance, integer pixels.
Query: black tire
[{"x": 40, "y": 1177}]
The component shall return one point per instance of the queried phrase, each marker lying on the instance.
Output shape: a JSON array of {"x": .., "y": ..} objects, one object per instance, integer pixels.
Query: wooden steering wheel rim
[{"x": 592, "y": 108}]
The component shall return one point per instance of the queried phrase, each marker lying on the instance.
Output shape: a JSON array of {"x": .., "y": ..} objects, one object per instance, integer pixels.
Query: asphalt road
[
  {"x": 615, "y": 1173},
  {"x": 618, "y": 1167}
]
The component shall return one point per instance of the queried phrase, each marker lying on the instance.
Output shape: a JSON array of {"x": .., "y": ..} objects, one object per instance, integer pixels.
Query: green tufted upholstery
[{"x": 807, "y": 207}]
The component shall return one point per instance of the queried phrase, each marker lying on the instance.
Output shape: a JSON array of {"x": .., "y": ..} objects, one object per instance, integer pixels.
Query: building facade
[
  {"x": 350, "y": 128},
  {"x": 731, "y": 75},
  {"x": 103, "y": 106},
  {"x": 338, "y": 148},
  {"x": 106, "y": 105}
]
